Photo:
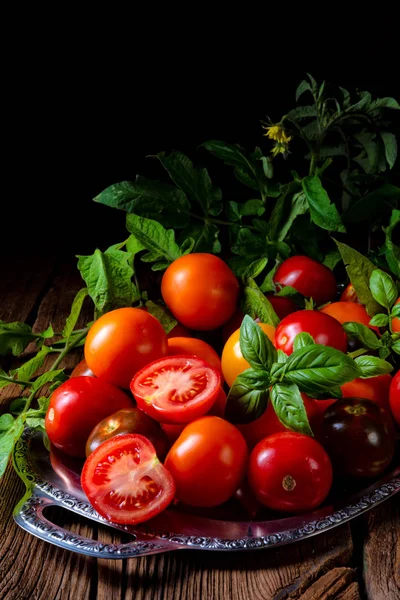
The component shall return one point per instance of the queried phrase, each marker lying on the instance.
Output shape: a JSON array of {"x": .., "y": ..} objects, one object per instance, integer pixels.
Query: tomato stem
[{"x": 358, "y": 352}]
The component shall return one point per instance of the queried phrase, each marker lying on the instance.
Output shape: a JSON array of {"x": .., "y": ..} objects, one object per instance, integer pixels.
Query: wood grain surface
[{"x": 357, "y": 560}]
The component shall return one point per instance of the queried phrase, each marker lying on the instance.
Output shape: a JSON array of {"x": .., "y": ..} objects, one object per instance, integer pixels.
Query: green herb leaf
[
  {"x": 75, "y": 312},
  {"x": 322, "y": 211},
  {"x": 301, "y": 340},
  {"x": 256, "y": 305},
  {"x": 17, "y": 406},
  {"x": 15, "y": 337},
  {"x": 383, "y": 288},
  {"x": 379, "y": 320},
  {"x": 162, "y": 315},
  {"x": 390, "y": 144},
  {"x": 288, "y": 291},
  {"x": 281, "y": 357},
  {"x": 254, "y": 269},
  {"x": 303, "y": 86},
  {"x": 299, "y": 206},
  {"x": 10, "y": 431},
  {"x": 384, "y": 103},
  {"x": 392, "y": 252},
  {"x": 28, "y": 369},
  {"x": 268, "y": 285},
  {"x": 246, "y": 167},
  {"x": 248, "y": 397},
  {"x": 395, "y": 313},
  {"x": 371, "y": 366},
  {"x": 396, "y": 347},
  {"x": 153, "y": 236},
  {"x": 301, "y": 112},
  {"x": 255, "y": 346},
  {"x": 6, "y": 379},
  {"x": 205, "y": 236},
  {"x": 133, "y": 245},
  {"x": 363, "y": 334},
  {"x": 289, "y": 407},
  {"x": 48, "y": 376},
  {"x": 373, "y": 204}
]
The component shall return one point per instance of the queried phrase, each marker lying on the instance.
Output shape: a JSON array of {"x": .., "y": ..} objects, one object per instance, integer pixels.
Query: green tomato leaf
[
  {"x": 153, "y": 236},
  {"x": 255, "y": 346},
  {"x": 373, "y": 204},
  {"x": 379, "y": 320},
  {"x": 28, "y": 369},
  {"x": 323, "y": 213},
  {"x": 384, "y": 103},
  {"x": 75, "y": 312},
  {"x": 57, "y": 375},
  {"x": 268, "y": 285},
  {"x": 17, "y": 406},
  {"x": 301, "y": 112},
  {"x": 390, "y": 144},
  {"x": 10, "y": 431},
  {"x": 254, "y": 269},
  {"x": 303, "y": 86},
  {"x": 332, "y": 259},
  {"x": 299, "y": 206},
  {"x": 288, "y": 291},
  {"x": 252, "y": 207},
  {"x": 383, "y": 288},
  {"x": 256, "y": 305},
  {"x": 6, "y": 421},
  {"x": 289, "y": 407},
  {"x": 301, "y": 340},
  {"x": 363, "y": 334},
  {"x": 15, "y": 337},
  {"x": 6, "y": 379},
  {"x": 392, "y": 252},
  {"x": 133, "y": 245},
  {"x": 371, "y": 366},
  {"x": 248, "y": 397},
  {"x": 162, "y": 315}
]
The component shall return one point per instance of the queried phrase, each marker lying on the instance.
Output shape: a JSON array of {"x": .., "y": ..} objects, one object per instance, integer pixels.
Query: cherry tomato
[
  {"x": 396, "y": 321},
  {"x": 307, "y": 276},
  {"x": 76, "y": 407},
  {"x": 125, "y": 482},
  {"x": 359, "y": 436},
  {"x": 128, "y": 420},
  {"x": 200, "y": 290},
  {"x": 179, "y": 331},
  {"x": 193, "y": 346},
  {"x": 290, "y": 472},
  {"x": 82, "y": 369},
  {"x": 349, "y": 294},
  {"x": 176, "y": 389},
  {"x": 349, "y": 311},
  {"x": 282, "y": 305},
  {"x": 232, "y": 360},
  {"x": 246, "y": 498},
  {"x": 394, "y": 397},
  {"x": 323, "y": 328},
  {"x": 207, "y": 462},
  {"x": 123, "y": 341},
  {"x": 373, "y": 388}
]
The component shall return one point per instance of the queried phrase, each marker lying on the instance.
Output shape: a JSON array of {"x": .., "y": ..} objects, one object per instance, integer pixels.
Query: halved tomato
[
  {"x": 176, "y": 389},
  {"x": 125, "y": 482}
]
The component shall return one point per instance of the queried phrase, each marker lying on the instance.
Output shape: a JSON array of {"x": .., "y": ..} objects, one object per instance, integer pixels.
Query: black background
[{"x": 84, "y": 113}]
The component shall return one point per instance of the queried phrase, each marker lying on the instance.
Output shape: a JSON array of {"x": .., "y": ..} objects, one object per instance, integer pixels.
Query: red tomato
[
  {"x": 193, "y": 346},
  {"x": 232, "y": 360},
  {"x": 349, "y": 311},
  {"x": 128, "y": 420},
  {"x": 176, "y": 389},
  {"x": 396, "y": 322},
  {"x": 179, "y": 331},
  {"x": 207, "y": 462},
  {"x": 309, "y": 277},
  {"x": 76, "y": 407},
  {"x": 394, "y": 397},
  {"x": 290, "y": 472},
  {"x": 324, "y": 329},
  {"x": 373, "y": 388},
  {"x": 82, "y": 369},
  {"x": 349, "y": 294},
  {"x": 282, "y": 305},
  {"x": 125, "y": 482},
  {"x": 123, "y": 341},
  {"x": 200, "y": 290}
]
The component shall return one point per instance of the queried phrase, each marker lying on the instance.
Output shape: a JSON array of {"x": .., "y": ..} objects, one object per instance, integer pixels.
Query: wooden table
[{"x": 357, "y": 560}]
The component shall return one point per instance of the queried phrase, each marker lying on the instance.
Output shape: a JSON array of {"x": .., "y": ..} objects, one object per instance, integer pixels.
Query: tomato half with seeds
[
  {"x": 176, "y": 389},
  {"x": 125, "y": 482},
  {"x": 323, "y": 328},
  {"x": 194, "y": 347}
]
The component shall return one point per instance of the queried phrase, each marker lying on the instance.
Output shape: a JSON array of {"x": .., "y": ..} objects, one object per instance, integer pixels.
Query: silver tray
[{"x": 175, "y": 528}]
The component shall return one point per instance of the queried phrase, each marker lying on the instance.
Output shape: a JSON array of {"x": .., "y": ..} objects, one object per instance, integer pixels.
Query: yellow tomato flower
[
  {"x": 278, "y": 134},
  {"x": 278, "y": 149}
]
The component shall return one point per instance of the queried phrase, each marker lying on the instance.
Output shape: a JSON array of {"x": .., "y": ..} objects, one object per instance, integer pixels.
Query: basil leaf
[
  {"x": 395, "y": 313},
  {"x": 383, "y": 288},
  {"x": 162, "y": 315},
  {"x": 371, "y": 366},
  {"x": 289, "y": 407},
  {"x": 75, "y": 312},
  {"x": 256, "y": 305},
  {"x": 255, "y": 345},
  {"x": 28, "y": 369},
  {"x": 254, "y": 269},
  {"x": 322, "y": 212},
  {"x": 359, "y": 270},
  {"x": 287, "y": 290},
  {"x": 281, "y": 357},
  {"x": 379, "y": 320},
  {"x": 316, "y": 369},
  {"x": 10, "y": 431},
  {"x": 301, "y": 340},
  {"x": 248, "y": 397},
  {"x": 384, "y": 352},
  {"x": 363, "y": 334},
  {"x": 396, "y": 347},
  {"x": 6, "y": 421}
]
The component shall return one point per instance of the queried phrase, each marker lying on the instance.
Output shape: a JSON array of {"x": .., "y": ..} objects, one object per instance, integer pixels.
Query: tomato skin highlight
[
  {"x": 307, "y": 276},
  {"x": 349, "y": 294},
  {"x": 290, "y": 472},
  {"x": 76, "y": 407},
  {"x": 193, "y": 346},
  {"x": 200, "y": 290},
  {"x": 123, "y": 341},
  {"x": 394, "y": 397},
  {"x": 208, "y": 462},
  {"x": 232, "y": 361},
  {"x": 323, "y": 328},
  {"x": 118, "y": 468},
  {"x": 373, "y": 388},
  {"x": 176, "y": 389},
  {"x": 349, "y": 311}
]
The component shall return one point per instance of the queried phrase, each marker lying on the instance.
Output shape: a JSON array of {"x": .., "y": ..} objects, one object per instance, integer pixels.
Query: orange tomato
[
  {"x": 188, "y": 345},
  {"x": 349, "y": 311}
]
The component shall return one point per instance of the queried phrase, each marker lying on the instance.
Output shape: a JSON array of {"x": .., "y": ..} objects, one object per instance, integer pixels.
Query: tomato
[
  {"x": 179, "y": 331},
  {"x": 359, "y": 436},
  {"x": 396, "y": 321},
  {"x": 290, "y": 472},
  {"x": 373, "y": 388},
  {"x": 232, "y": 360},
  {"x": 282, "y": 305},
  {"x": 234, "y": 323},
  {"x": 82, "y": 369},
  {"x": 246, "y": 498},
  {"x": 349, "y": 294},
  {"x": 207, "y": 462},
  {"x": 394, "y": 397},
  {"x": 307, "y": 276},
  {"x": 349, "y": 311},
  {"x": 125, "y": 482},
  {"x": 76, "y": 407},
  {"x": 123, "y": 341},
  {"x": 323, "y": 328},
  {"x": 193, "y": 346},
  {"x": 128, "y": 420},
  {"x": 200, "y": 290},
  {"x": 176, "y": 389}
]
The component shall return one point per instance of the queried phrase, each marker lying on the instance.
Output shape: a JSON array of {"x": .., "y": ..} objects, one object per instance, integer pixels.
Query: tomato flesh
[
  {"x": 176, "y": 389},
  {"x": 125, "y": 482}
]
